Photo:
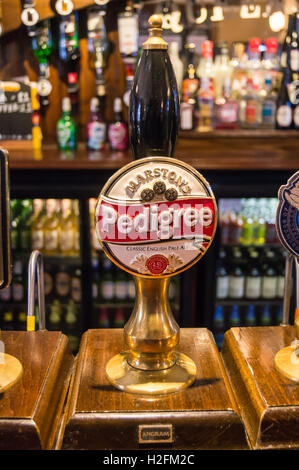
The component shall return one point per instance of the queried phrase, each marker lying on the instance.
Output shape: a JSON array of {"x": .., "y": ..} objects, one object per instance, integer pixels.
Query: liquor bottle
[
  {"x": 42, "y": 46},
  {"x": 206, "y": 89},
  {"x": 63, "y": 284},
  {"x": 294, "y": 64},
  {"x": 21, "y": 321},
  {"x": 18, "y": 291},
  {"x": 66, "y": 128},
  {"x": 236, "y": 279},
  {"x": 98, "y": 44},
  {"x": 5, "y": 294},
  {"x": 254, "y": 65},
  {"x": 119, "y": 319},
  {"x": 95, "y": 283},
  {"x": 219, "y": 325},
  {"x": 250, "y": 316},
  {"x": 127, "y": 23},
  {"x": 8, "y": 321},
  {"x": 96, "y": 127},
  {"x": 226, "y": 108},
  {"x": 70, "y": 325},
  {"x": 177, "y": 63},
  {"x": 76, "y": 226},
  {"x": 16, "y": 210},
  {"x": 265, "y": 318},
  {"x": 37, "y": 224},
  {"x": 66, "y": 240},
  {"x": 269, "y": 280},
  {"x": 95, "y": 245},
  {"x": 280, "y": 279},
  {"x": 55, "y": 316},
  {"x": 222, "y": 282},
  {"x": 69, "y": 51},
  {"x": 270, "y": 61},
  {"x": 190, "y": 85},
  {"x": 234, "y": 317},
  {"x": 49, "y": 282},
  {"x": 76, "y": 286},
  {"x": 118, "y": 130},
  {"x": 190, "y": 82},
  {"x": 269, "y": 99},
  {"x": 51, "y": 227},
  {"x": 107, "y": 288},
  {"x": 131, "y": 290},
  {"x": 154, "y": 117},
  {"x": 259, "y": 221},
  {"x": 287, "y": 42},
  {"x": 103, "y": 320},
  {"x": 120, "y": 285},
  {"x": 284, "y": 112},
  {"x": 253, "y": 280},
  {"x": 222, "y": 71},
  {"x": 250, "y": 107},
  {"x": 24, "y": 226},
  {"x": 279, "y": 315}
]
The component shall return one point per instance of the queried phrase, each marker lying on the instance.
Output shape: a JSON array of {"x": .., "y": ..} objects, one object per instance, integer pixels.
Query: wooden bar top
[
  {"x": 218, "y": 150},
  {"x": 101, "y": 417},
  {"x": 268, "y": 402},
  {"x": 30, "y": 410}
]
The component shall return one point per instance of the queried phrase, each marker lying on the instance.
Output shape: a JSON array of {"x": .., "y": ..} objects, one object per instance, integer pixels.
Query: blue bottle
[
  {"x": 234, "y": 318},
  {"x": 250, "y": 318}
]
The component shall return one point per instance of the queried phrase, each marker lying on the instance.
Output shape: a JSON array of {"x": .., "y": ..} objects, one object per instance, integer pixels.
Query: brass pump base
[
  {"x": 10, "y": 371},
  {"x": 151, "y": 365},
  {"x": 151, "y": 382},
  {"x": 286, "y": 362}
]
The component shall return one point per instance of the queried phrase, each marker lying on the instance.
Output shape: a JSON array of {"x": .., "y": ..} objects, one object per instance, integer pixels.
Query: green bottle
[
  {"x": 25, "y": 225},
  {"x": 66, "y": 128}
]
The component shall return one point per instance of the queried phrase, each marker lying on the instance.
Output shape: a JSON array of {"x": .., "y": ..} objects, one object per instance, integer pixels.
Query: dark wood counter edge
[
  {"x": 220, "y": 424},
  {"x": 71, "y": 418},
  {"x": 54, "y": 390},
  {"x": 245, "y": 387}
]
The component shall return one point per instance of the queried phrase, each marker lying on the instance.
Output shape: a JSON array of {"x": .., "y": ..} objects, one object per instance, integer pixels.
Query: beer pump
[
  {"x": 287, "y": 226},
  {"x": 35, "y": 365},
  {"x": 10, "y": 367}
]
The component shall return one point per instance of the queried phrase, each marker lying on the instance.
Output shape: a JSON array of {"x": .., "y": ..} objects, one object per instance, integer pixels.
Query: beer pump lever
[{"x": 36, "y": 269}]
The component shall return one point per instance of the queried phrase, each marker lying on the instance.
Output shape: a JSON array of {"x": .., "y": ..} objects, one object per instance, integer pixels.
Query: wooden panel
[
  {"x": 268, "y": 403},
  {"x": 238, "y": 150},
  {"x": 30, "y": 411},
  {"x": 102, "y": 417}
]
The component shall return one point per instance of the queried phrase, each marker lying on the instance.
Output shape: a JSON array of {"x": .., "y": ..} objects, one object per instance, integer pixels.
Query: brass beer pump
[
  {"x": 151, "y": 363},
  {"x": 286, "y": 360}
]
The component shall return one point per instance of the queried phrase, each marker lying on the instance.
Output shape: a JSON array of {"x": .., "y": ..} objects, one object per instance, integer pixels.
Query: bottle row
[
  {"x": 226, "y": 317},
  {"x": 256, "y": 88},
  {"x": 248, "y": 221},
  {"x": 50, "y": 226},
  {"x": 112, "y": 285},
  {"x": 98, "y": 131},
  {"x": 252, "y": 273},
  {"x": 60, "y": 282}
]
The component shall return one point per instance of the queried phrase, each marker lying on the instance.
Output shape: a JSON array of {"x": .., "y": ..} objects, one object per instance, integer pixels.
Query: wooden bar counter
[
  {"x": 98, "y": 416},
  {"x": 268, "y": 403},
  {"x": 30, "y": 411}
]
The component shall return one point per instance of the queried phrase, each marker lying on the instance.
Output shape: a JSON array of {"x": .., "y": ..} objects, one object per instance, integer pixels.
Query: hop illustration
[{"x": 292, "y": 196}]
